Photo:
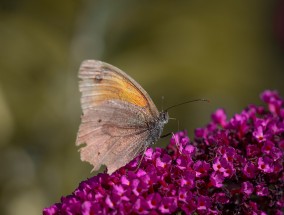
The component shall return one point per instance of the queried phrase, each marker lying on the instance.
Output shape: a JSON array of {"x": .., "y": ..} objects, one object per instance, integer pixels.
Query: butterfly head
[{"x": 164, "y": 117}]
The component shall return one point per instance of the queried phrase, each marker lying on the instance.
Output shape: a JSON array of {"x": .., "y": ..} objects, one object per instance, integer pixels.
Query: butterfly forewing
[
  {"x": 101, "y": 82},
  {"x": 116, "y": 110}
]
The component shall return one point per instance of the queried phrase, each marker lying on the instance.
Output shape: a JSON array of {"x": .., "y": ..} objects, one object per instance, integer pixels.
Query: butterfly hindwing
[{"x": 113, "y": 134}]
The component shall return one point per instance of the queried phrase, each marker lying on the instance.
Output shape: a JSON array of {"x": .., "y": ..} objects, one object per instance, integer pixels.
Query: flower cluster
[{"x": 234, "y": 166}]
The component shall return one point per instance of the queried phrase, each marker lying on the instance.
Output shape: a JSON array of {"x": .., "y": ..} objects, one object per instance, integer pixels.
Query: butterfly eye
[{"x": 164, "y": 116}]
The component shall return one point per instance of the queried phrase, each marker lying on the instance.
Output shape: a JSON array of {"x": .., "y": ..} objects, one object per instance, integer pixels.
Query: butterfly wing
[
  {"x": 101, "y": 82},
  {"x": 116, "y": 110}
]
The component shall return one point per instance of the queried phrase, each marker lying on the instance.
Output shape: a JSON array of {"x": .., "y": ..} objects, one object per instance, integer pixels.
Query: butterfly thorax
[{"x": 156, "y": 127}]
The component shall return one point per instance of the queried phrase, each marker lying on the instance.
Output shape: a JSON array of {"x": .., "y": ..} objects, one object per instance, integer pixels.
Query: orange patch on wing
[{"x": 116, "y": 87}]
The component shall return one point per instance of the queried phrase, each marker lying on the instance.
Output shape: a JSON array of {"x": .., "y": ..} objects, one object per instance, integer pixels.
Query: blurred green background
[{"x": 225, "y": 51}]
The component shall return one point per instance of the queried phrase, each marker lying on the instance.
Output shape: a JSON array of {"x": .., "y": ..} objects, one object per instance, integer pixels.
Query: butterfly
[{"x": 119, "y": 119}]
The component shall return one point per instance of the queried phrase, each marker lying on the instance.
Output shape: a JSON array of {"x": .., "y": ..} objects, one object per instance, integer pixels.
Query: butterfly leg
[
  {"x": 140, "y": 161},
  {"x": 177, "y": 142}
]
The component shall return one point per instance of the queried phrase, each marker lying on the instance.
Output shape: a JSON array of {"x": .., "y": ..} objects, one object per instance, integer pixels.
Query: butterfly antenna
[{"x": 196, "y": 100}]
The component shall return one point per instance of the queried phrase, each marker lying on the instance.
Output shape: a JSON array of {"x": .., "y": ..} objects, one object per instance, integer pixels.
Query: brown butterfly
[{"x": 119, "y": 118}]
